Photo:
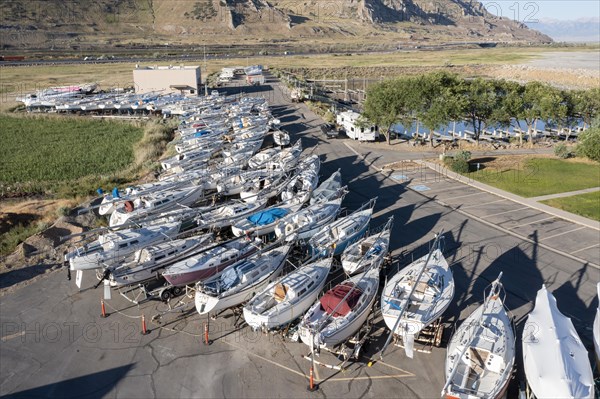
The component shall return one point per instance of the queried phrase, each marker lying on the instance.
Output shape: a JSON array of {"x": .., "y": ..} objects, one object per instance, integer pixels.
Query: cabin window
[
  {"x": 123, "y": 245},
  {"x": 311, "y": 284},
  {"x": 159, "y": 257},
  {"x": 301, "y": 292},
  {"x": 134, "y": 242}
]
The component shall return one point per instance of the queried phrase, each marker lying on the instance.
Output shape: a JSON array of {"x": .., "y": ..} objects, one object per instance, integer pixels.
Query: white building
[
  {"x": 348, "y": 120},
  {"x": 167, "y": 79}
]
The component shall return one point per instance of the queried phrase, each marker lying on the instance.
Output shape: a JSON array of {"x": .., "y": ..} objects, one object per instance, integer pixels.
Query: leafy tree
[
  {"x": 586, "y": 103},
  {"x": 439, "y": 100},
  {"x": 482, "y": 100},
  {"x": 589, "y": 142},
  {"x": 387, "y": 103}
]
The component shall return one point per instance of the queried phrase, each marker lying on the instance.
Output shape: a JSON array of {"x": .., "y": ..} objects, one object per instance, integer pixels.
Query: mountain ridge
[{"x": 110, "y": 22}]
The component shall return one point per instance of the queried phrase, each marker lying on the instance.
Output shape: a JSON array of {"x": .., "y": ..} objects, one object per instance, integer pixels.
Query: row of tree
[{"x": 438, "y": 98}]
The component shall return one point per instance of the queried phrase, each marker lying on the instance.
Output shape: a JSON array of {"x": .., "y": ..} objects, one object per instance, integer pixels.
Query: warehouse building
[{"x": 167, "y": 79}]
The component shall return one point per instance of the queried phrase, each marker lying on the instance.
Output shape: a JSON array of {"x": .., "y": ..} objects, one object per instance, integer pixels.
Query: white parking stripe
[
  {"x": 483, "y": 203},
  {"x": 463, "y": 196},
  {"x": 509, "y": 211},
  {"x": 565, "y": 232},
  {"x": 583, "y": 249}
]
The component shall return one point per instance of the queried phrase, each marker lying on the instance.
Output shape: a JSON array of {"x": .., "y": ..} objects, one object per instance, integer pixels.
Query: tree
[
  {"x": 530, "y": 103},
  {"x": 386, "y": 104},
  {"x": 483, "y": 98},
  {"x": 437, "y": 100},
  {"x": 587, "y": 104}
]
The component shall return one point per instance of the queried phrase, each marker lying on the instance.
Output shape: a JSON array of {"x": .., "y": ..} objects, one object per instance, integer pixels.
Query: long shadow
[
  {"x": 571, "y": 305},
  {"x": 95, "y": 385},
  {"x": 16, "y": 276}
]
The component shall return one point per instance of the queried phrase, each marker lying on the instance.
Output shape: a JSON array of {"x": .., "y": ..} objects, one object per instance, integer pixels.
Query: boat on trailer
[
  {"x": 210, "y": 262},
  {"x": 481, "y": 354},
  {"x": 263, "y": 222},
  {"x": 241, "y": 281},
  {"x": 304, "y": 223},
  {"x": 288, "y": 298},
  {"x": 340, "y": 312},
  {"x": 416, "y": 296},
  {"x": 369, "y": 251},
  {"x": 333, "y": 238},
  {"x": 328, "y": 188},
  {"x": 113, "y": 247},
  {"x": 147, "y": 263}
]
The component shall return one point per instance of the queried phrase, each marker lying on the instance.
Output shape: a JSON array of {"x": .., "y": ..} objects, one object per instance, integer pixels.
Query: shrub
[
  {"x": 459, "y": 166},
  {"x": 462, "y": 156},
  {"x": 562, "y": 151},
  {"x": 63, "y": 211},
  {"x": 589, "y": 144}
]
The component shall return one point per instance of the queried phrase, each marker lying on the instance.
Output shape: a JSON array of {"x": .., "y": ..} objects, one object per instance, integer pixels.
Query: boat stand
[
  {"x": 429, "y": 337},
  {"x": 348, "y": 350},
  {"x": 181, "y": 305}
]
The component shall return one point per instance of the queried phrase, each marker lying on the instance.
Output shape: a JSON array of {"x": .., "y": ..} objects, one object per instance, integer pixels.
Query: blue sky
[{"x": 527, "y": 11}]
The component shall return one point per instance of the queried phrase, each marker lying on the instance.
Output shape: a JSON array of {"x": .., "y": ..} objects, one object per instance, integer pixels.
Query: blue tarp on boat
[
  {"x": 267, "y": 217},
  {"x": 201, "y": 133}
]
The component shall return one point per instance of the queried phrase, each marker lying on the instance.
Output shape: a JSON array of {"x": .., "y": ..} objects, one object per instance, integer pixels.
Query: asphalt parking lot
[{"x": 55, "y": 344}]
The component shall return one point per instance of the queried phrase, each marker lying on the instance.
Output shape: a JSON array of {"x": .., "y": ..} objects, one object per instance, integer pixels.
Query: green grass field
[
  {"x": 40, "y": 153},
  {"x": 542, "y": 176},
  {"x": 587, "y": 205}
]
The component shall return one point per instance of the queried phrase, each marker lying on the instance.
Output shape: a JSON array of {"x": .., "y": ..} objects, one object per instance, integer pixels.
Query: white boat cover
[{"x": 556, "y": 362}]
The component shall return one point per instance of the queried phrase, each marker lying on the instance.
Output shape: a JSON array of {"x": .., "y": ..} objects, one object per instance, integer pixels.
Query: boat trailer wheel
[{"x": 165, "y": 294}]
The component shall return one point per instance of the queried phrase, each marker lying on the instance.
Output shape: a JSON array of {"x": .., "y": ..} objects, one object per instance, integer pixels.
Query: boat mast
[
  {"x": 433, "y": 248},
  {"x": 492, "y": 293}
]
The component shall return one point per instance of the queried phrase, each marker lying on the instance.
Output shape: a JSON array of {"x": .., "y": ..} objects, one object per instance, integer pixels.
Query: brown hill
[{"x": 82, "y": 24}]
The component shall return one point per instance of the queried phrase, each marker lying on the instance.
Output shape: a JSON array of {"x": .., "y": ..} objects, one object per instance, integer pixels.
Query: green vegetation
[
  {"x": 541, "y": 176},
  {"x": 438, "y": 98},
  {"x": 589, "y": 144},
  {"x": 587, "y": 205},
  {"x": 562, "y": 151},
  {"x": 16, "y": 235},
  {"x": 69, "y": 157}
]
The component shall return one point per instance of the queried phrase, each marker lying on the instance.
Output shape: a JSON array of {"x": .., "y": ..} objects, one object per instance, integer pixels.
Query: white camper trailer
[{"x": 348, "y": 120}]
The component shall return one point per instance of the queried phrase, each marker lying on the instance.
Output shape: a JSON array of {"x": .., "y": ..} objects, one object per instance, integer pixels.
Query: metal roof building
[{"x": 167, "y": 79}]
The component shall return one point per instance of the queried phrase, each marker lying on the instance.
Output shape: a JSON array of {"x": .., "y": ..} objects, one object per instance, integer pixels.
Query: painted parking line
[
  {"x": 483, "y": 203},
  {"x": 586, "y": 248},
  {"x": 509, "y": 211},
  {"x": 463, "y": 196},
  {"x": 565, "y": 232},
  {"x": 402, "y": 373},
  {"x": 400, "y": 177},
  {"x": 535, "y": 221}
]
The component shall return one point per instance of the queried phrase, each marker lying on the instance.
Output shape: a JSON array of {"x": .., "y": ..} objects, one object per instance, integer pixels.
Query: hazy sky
[{"x": 527, "y": 11}]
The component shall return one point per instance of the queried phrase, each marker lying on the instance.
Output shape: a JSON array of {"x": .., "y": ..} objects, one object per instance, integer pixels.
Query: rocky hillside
[{"x": 83, "y": 23}]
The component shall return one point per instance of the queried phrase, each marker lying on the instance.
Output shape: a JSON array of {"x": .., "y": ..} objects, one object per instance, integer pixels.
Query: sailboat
[
  {"x": 241, "y": 281},
  {"x": 304, "y": 223},
  {"x": 369, "y": 251},
  {"x": 335, "y": 237},
  {"x": 147, "y": 263},
  {"x": 555, "y": 361},
  {"x": 289, "y": 297},
  {"x": 341, "y": 311},
  {"x": 328, "y": 188},
  {"x": 417, "y": 295},
  {"x": 481, "y": 354}
]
